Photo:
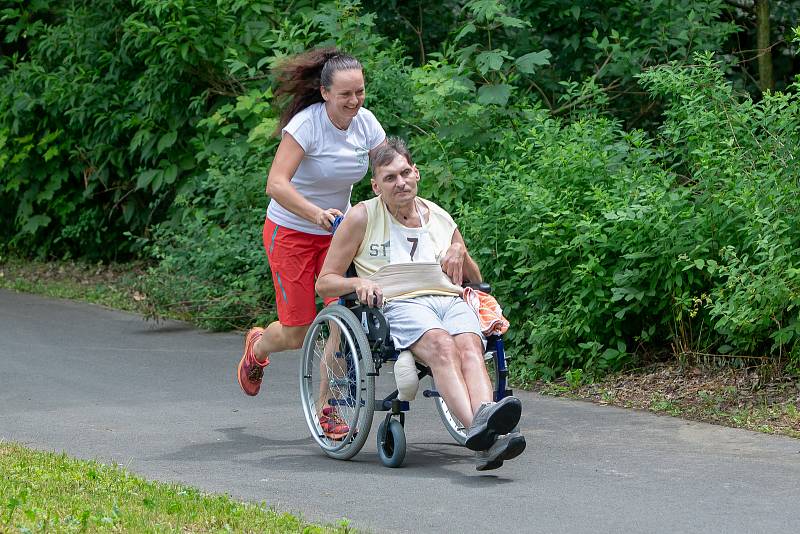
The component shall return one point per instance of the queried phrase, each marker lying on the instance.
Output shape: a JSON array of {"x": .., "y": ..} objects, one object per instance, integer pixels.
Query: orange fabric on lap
[{"x": 489, "y": 312}]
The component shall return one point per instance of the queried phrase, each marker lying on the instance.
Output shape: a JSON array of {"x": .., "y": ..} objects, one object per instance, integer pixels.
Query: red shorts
[{"x": 295, "y": 259}]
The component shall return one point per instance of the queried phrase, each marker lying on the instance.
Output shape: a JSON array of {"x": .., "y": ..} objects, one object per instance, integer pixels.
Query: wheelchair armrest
[{"x": 480, "y": 286}]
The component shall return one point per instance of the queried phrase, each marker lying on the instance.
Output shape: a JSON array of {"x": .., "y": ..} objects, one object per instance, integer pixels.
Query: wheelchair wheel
[
  {"x": 337, "y": 374},
  {"x": 451, "y": 423},
  {"x": 391, "y": 443}
]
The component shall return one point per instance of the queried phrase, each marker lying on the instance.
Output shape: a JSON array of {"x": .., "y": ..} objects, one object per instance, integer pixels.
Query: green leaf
[
  {"x": 494, "y": 94},
  {"x": 51, "y": 153},
  {"x": 145, "y": 178},
  {"x": 486, "y": 10},
  {"x": 263, "y": 61},
  {"x": 466, "y": 30},
  {"x": 170, "y": 174},
  {"x": 139, "y": 138},
  {"x": 492, "y": 60},
  {"x": 166, "y": 141},
  {"x": 34, "y": 223},
  {"x": 529, "y": 62},
  {"x": 512, "y": 22}
]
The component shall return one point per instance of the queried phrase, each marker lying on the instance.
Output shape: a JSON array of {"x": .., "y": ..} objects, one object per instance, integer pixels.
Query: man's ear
[
  {"x": 375, "y": 187},
  {"x": 324, "y": 93},
  {"x": 416, "y": 171}
]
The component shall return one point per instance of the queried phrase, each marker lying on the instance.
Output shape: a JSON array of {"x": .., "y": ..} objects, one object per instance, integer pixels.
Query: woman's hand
[
  {"x": 369, "y": 293},
  {"x": 453, "y": 262},
  {"x": 326, "y": 217}
]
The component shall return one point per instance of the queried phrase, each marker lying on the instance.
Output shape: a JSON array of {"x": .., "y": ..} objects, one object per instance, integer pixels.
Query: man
[{"x": 408, "y": 252}]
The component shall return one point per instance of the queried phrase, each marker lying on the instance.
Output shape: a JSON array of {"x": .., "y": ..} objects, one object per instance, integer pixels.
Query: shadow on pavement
[{"x": 425, "y": 460}]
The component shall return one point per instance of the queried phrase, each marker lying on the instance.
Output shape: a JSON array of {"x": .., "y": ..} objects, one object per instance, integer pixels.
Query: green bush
[
  {"x": 96, "y": 113},
  {"x": 741, "y": 161},
  {"x": 145, "y": 126},
  {"x": 605, "y": 243}
]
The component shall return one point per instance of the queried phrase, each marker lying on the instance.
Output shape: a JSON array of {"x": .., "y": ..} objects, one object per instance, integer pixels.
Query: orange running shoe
[
  {"x": 333, "y": 426},
  {"x": 251, "y": 370}
]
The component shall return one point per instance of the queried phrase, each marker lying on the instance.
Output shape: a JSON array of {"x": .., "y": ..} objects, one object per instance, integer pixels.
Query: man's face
[{"x": 396, "y": 182}]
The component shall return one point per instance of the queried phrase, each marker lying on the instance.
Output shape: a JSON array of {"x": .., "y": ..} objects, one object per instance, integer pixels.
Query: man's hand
[
  {"x": 453, "y": 262},
  {"x": 326, "y": 217},
  {"x": 369, "y": 293}
]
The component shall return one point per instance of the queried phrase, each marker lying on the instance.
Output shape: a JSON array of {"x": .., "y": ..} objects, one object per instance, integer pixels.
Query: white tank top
[{"x": 409, "y": 257}]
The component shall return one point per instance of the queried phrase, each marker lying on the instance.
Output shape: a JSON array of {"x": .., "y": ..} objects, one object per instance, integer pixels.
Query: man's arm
[
  {"x": 344, "y": 246},
  {"x": 458, "y": 264}
]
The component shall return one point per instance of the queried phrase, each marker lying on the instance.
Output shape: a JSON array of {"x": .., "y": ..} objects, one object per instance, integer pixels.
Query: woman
[{"x": 326, "y": 140}]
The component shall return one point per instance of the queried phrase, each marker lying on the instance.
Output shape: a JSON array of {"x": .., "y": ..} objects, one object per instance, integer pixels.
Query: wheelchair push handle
[{"x": 336, "y": 222}]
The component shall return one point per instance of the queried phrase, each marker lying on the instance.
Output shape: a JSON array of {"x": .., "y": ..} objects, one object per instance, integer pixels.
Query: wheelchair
[{"x": 344, "y": 350}]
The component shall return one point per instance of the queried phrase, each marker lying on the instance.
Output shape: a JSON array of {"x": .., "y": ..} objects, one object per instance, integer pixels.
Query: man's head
[{"x": 394, "y": 175}]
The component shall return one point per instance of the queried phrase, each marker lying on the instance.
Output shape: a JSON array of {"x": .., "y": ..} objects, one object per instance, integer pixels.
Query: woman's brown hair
[{"x": 302, "y": 75}]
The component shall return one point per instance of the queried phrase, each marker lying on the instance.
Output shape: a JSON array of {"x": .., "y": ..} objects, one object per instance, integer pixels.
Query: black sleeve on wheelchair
[{"x": 377, "y": 329}]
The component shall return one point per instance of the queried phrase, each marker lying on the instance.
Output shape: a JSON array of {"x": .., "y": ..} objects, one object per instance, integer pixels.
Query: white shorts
[{"x": 410, "y": 318}]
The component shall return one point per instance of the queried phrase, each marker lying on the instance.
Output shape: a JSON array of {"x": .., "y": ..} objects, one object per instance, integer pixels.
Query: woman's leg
[
  {"x": 292, "y": 259},
  {"x": 277, "y": 338},
  {"x": 330, "y": 366}
]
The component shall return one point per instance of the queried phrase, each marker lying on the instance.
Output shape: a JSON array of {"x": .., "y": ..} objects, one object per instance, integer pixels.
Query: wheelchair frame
[{"x": 364, "y": 346}]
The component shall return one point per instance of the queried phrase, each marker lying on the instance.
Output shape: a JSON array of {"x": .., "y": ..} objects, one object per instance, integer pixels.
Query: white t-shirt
[{"x": 334, "y": 160}]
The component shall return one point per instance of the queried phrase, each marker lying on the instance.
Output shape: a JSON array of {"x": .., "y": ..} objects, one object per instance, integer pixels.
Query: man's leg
[
  {"x": 473, "y": 369},
  {"x": 437, "y": 349}
]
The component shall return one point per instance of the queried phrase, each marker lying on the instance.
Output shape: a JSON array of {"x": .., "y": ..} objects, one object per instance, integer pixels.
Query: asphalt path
[{"x": 162, "y": 400}]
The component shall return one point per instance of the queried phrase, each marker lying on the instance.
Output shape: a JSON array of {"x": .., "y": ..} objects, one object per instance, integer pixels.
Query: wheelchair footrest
[
  {"x": 386, "y": 404},
  {"x": 343, "y": 402},
  {"x": 499, "y": 396}
]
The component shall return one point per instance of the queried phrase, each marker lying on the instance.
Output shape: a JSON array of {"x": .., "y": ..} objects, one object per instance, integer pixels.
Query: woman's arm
[
  {"x": 279, "y": 186},
  {"x": 372, "y": 152},
  {"x": 344, "y": 247}
]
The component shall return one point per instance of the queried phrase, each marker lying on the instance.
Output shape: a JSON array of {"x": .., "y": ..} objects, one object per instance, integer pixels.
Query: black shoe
[
  {"x": 505, "y": 448},
  {"x": 493, "y": 420}
]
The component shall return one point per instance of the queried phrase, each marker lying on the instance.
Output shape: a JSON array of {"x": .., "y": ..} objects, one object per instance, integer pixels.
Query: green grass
[
  {"x": 47, "y": 492},
  {"x": 109, "y": 285}
]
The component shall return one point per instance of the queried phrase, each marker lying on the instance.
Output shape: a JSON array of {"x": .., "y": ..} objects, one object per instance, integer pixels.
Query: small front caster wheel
[{"x": 391, "y": 443}]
